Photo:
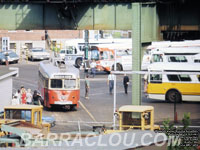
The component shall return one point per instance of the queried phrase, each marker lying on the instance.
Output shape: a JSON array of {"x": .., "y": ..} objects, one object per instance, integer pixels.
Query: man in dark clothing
[
  {"x": 36, "y": 98},
  {"x": 126, "y": 82}
]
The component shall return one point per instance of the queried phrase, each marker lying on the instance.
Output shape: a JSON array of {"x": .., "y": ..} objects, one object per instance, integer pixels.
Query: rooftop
[{"x": 7, "y": 72}]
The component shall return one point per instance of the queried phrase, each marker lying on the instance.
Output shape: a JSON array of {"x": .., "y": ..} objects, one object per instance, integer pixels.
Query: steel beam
[
  {"x": 136, "y": 64},
  {"x": 102, "y": 16}
]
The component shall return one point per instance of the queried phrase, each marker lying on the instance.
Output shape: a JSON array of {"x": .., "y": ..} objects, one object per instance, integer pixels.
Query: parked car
[
  {"x": 38, "y": 54},
  {"x": 11, "y": 56}
]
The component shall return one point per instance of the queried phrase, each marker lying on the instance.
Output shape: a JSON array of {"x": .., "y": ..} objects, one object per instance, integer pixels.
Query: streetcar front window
[
  {"x": 69, "y": 83},
  {"x": 56, "y": 83}
]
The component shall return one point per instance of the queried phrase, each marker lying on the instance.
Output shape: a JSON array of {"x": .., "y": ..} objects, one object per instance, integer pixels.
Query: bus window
[
  {"x": 173, "y": 77},
  {"x": 157, "y": 58},
  {"x": 111, "y": 56},
  {"x": 198, "y": 76},
  {"x": 95, "y": 55},
  {"x": 177, "y": 59},
  {"x": 56, "y": 83},
  {"x": 62, "y": 51},
  {"x": 71, "y": 50},
  {"x": 184, "y": 77},
  {"x": 197, "y": 60},
  {"x": 155, "y": 78},
  {"x": 105, "y": 55},
  {"x": 69, "y": 83},
  {"x": 178, "y": 77}
]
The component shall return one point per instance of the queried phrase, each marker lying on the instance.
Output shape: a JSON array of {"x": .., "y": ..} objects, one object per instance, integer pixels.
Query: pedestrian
[
  {"x": 15, "y": 100},
  {"x": 36, "y": 98},
  {"x": 29, "y": 97},
  {"x": 93, "y": 68},
  {"x": 23, "y": 95},
  {"x": 87, "y": 87},
  {"x": 110, "y": 82},
  {"x": 18, "y": 95},
  {"x": 126, "y": 83}
]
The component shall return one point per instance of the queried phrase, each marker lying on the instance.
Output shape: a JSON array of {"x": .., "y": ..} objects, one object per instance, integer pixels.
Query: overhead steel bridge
[{"x": 174, "y": 19}]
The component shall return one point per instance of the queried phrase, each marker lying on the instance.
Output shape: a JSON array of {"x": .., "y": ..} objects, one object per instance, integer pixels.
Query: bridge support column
[{"x": 136, "y": 54}]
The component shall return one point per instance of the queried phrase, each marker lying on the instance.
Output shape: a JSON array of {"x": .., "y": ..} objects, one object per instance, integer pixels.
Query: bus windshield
[
  {"x": 71, "y": 50},
  {"x": 95, "y": 55},
  {"x": 157, "y": 58},
  {"x": 69, "y": 83}
]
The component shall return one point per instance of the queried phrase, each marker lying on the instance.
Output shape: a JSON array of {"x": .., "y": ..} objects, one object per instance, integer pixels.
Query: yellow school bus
[{"x": 183, "y": 85}]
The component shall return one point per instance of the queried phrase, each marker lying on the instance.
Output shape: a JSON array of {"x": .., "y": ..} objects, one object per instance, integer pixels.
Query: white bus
[
  {"x": 179, "y": 86},
  {"x": 171, "y": 54},
  {"x": 73, "y": 51}
]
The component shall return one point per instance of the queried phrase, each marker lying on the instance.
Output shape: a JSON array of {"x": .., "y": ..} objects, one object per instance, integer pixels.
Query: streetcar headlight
[{"x": 63, "y": 97}]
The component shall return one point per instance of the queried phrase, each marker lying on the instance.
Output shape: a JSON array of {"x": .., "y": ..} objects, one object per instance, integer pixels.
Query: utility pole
[{"x": 86, "y": 50}]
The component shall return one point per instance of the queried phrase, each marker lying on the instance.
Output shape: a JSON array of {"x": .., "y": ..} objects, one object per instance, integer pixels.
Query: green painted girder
[{"x": 104, "y": 16}]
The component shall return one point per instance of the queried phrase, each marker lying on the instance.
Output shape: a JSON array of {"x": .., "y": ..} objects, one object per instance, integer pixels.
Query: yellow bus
[{"x": 182, "y": 85}]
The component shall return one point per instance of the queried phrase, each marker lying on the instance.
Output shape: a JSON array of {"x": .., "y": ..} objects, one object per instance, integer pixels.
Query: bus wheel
[
  {"x": 78, "y": 62},
  {"x": 173, "y": 96},
  {"x": 32, "y": 58},
  {"x": 119, "y": 67}
]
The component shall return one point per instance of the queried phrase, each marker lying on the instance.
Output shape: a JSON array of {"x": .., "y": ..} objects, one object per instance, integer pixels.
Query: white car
[
  {"x": 11, "y": 57},
  {"x": 38, "y": 54}
]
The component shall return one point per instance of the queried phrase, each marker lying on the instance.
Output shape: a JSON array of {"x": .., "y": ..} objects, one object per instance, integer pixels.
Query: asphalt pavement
[{"x": 99, "y": 108}]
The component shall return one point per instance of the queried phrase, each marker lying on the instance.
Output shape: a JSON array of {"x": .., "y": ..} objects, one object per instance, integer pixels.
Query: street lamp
[{"x": 114, "y": 99}]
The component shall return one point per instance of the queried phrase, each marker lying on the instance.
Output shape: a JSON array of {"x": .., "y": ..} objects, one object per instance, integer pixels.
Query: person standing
[
  {"x": 18, "y": 95},
  {"x": 23, "y": 95},
  {"x": 110, "y": 81},
  {"x": 15, "y": 100},
  {"x": 29, "y": 97},
  {"x": 126, "y": 83},
  {"x": 36, "y": 98},
  {"x": 87, "y": 87},
  {"x": 93, "y": 68}
]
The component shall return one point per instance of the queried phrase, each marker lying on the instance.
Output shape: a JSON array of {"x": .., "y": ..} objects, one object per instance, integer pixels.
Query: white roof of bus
[
  {"x": 51, "y": 70},
  {"x": 187, "y": 43},
  {"x": 187, "y": 67},
  {"x": 178, "y": 50}
]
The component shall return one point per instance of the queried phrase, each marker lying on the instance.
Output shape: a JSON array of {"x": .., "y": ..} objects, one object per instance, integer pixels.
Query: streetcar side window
[
  {"x": 56, "y": 83},
  {"x": 69, "y": 83},
  {"x": 43, "y": 80}
]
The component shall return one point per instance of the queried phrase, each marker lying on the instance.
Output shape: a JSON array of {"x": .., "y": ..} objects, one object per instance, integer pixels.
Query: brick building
[{"x": 19, "y": 39}]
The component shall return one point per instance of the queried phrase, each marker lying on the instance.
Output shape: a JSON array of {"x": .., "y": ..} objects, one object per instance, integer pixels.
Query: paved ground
[{"x": 100, "y": 105}]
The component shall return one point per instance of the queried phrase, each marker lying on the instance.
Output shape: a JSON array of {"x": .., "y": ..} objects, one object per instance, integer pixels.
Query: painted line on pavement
[
  {"x": 91, "y": 116},
  {"x": 107, "y": 93}
]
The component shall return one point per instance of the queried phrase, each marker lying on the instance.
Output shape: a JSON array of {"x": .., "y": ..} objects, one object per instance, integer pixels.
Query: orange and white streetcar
[{"x": 59, "y": 84}]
